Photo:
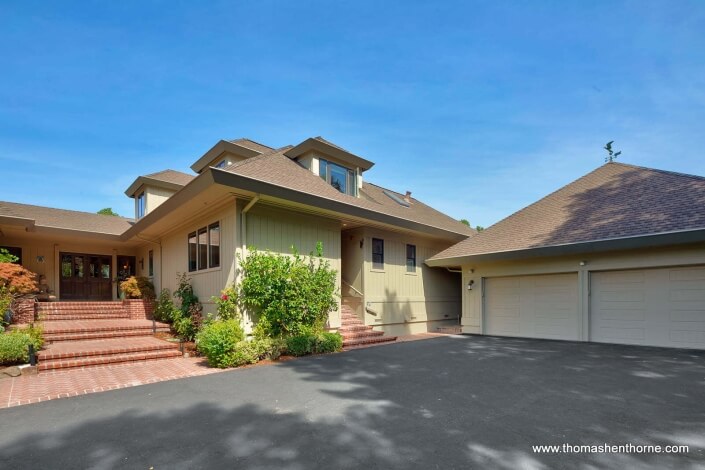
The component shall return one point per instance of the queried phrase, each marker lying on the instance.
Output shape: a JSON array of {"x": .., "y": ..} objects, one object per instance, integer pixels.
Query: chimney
[{"x": 407, "y": 197}]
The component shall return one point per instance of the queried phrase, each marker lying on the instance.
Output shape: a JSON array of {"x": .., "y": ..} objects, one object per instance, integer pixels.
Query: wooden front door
[{"x": 85, "y": 276}]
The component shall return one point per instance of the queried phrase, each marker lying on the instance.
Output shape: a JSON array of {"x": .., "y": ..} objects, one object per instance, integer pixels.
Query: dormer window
[
  {"x": 222, "y": 164},
  {"x": 140, "y": 205},
  {"x": 341, "y": 178}
]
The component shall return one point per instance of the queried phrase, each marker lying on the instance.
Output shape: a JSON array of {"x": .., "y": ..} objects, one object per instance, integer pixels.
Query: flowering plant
[{"x": 226, "y": 303}]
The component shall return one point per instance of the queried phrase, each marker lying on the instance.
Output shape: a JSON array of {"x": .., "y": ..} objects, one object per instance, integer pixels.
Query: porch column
[
  {"x": 113, "y": 276},
  {"x": 57, "y": 272}
]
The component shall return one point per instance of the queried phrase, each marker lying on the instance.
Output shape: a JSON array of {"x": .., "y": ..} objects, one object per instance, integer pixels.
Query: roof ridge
[
  {"x": 234, "y": 141},
  {"x": 168, "y": 169},
  {"x": 257, "y": 158},
  {"x": 66, "y": 210},
  {"x": 658, "y": 170}
]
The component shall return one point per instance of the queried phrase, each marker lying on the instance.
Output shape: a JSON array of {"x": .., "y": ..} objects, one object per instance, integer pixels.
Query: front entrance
[{"x": 86, "y": 277}]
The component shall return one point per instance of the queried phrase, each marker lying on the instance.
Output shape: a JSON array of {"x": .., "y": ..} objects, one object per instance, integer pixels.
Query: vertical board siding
[
  {"x": 275, "y": 230},
  {"x": 410, "y": 299}
]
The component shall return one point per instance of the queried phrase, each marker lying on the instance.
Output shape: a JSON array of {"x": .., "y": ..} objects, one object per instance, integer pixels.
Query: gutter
[
  {"x": 261, "y": 187},
  {"x": 682, "y": 237}
]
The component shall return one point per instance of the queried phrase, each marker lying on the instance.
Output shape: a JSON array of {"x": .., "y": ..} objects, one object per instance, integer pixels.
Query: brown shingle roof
[
  {"x": 614, "y": 201},
  {"x": 66, "y": 219},
  {"x": 251, "y": 144},
  {"x": 172, "y": 176},
  {"x": 275, "y": 168}
]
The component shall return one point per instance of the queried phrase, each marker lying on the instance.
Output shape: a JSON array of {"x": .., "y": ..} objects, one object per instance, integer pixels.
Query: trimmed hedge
[
  {"x": 14, "y": 345},
  {"x": 320, "y": 343}
]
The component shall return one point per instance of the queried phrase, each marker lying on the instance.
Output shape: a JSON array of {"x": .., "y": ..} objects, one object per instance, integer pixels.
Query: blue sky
[{"x": 478, "y": 108}]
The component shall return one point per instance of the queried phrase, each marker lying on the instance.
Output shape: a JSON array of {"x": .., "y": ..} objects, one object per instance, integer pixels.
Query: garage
[
  {"x": 653, "y": 307},
  {"x": 543, "y": 306}
]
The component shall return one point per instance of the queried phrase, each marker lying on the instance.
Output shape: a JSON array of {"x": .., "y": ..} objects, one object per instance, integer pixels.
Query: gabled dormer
[
  {"x": 338, "y": 167},
  {"x": 150, "y": 191},
  {"x": 227, "y": 152}
]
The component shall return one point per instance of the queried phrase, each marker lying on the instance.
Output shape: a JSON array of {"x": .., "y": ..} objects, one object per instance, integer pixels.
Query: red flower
[{"x": 224, "y": 297}]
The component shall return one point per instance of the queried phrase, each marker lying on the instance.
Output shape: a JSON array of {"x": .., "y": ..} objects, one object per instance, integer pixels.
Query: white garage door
[
  {"x": 532, "y": 306},
  {"x": 656, "y": 307}
]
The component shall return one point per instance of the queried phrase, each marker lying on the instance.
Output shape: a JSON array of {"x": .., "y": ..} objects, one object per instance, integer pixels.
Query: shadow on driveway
[{"x": 454, "y": 402}]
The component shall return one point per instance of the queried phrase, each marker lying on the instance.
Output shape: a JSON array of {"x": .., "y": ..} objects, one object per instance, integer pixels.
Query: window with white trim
[{"x": 204, "y": 248}]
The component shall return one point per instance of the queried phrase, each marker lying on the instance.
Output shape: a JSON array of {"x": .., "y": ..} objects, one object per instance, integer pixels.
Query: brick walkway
[
  {"x": 50, "y": 385},
  {"x": 62, "y": 384}
]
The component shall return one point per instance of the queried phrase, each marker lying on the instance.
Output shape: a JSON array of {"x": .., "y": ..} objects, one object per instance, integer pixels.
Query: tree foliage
[
  {"x": 108, "y": 211},
  {"x": 7, "y": 257},
  {"x": 288, "y": 295}
]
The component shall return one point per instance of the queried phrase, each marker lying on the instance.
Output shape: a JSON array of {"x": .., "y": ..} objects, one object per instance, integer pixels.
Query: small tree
[
  {"x": 290, "y": 295},
  {"x": 479, "y": 228},
  {"x": 465, "y": 222},
  {"x": 108, "y": 211}
]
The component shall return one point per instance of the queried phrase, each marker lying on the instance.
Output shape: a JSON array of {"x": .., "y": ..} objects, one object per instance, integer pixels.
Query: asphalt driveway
[{"x": 454, "y": 402}]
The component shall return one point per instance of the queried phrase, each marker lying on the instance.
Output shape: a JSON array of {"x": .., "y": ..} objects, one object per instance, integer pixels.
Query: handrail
[{"x": 352, "y": 287}]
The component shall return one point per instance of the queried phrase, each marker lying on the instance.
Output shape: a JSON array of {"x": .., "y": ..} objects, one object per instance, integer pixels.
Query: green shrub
[
  {"x": 164, "y": 308},
  {"x": 327, "y": 342},
  {"x": 137, "y": 288},
  {"x": 288, "y": 295},
  {"x": 251, "y": 352},
  {"x": 14, "y": 345},
  {"x": 217, "y": 341},
  {"x": 188, "y": 301},
  {"x": 5, "y": 302},
  {"x": 314, "y": 343}
]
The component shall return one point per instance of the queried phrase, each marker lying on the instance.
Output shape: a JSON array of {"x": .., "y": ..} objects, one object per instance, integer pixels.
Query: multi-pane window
[
  {"x": 214, "y": 245},
  {"x": 377, "y": 253},
  {"x": 151, "y": 263},
  {"x": 410, "y": 258},
  {"x": 140, "y": 205},
  {"x": 341, "y": 178},
  {"x": 204, "y": 248}
]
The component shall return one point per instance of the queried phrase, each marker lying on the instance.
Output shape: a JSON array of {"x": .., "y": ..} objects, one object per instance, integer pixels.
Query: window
[
  {"x": 377, "y": 253},
  {"x": 222, "y": 164},
  {"x": 410, "y": 258},
  {"x": 214, "y": 245},
  {"x": 192, "y": 252},
  {"x": 203, "y": 248},
  {"x": 151, "y": 263},
  {"x": 140, "y": 205},
  {"x": 341, "y": 178}
]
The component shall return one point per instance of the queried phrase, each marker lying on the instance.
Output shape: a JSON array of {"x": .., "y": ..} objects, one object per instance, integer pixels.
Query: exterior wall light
[
  {"x": 583, "y": 263},
  {"x": 471, "y": 284}
]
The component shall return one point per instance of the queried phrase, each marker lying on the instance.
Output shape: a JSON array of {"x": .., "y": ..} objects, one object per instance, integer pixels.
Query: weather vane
[{"x": 611, "y": 155}]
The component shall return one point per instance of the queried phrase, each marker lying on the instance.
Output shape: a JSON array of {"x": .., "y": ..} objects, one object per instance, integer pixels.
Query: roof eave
[
  {"x": 218, "y": 149},
  {"x": 260, "y": 187},
  {"x": 147, "y": 181},
  {"x": 312, "y": 144},
  {"x": 682, "y": 237}
]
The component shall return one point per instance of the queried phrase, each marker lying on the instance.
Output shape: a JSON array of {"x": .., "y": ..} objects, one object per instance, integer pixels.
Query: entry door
[
  {"x": 651, "y": 307},
  {"x": 532, "y": 306},
  {"x": 85, "y": 276}
]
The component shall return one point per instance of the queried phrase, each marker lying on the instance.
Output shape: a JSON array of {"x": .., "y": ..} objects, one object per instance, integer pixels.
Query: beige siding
[
  {"x": 472, "y": 319},
  {"x": 408, "y": 302},
  {"x": 275, "y": 230},
  {"x": 41, "y": 255},
  {"x": 156, "y": 197},
  {"x": 206, "y": 283}
]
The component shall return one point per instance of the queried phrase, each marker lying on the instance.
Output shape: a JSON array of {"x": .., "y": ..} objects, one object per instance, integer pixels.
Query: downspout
[
  {"x": 243, "y": 223},
  {"x": 450, "y": 270}
]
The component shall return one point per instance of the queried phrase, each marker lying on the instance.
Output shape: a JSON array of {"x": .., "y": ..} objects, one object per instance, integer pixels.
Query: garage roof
[{"x": 615, "y": 201}]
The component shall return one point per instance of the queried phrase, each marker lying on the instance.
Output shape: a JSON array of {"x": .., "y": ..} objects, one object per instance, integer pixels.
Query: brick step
[
  {"x": 103, "y": 360},
  {"x": 53, "y": 338},
  {"x": 362, "y": 334},
  {"x": 360, "y": 342},
  {"x": 83, "y": 316},
  {"x": 77, "y": 305},
  {"x": 89, "y": 326},
  {"x": 347, "y": 328},
  {"x": 65, "y": 311},
  {"x": 450, "y": 330},
  {"x": 106, "y": 347}
]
